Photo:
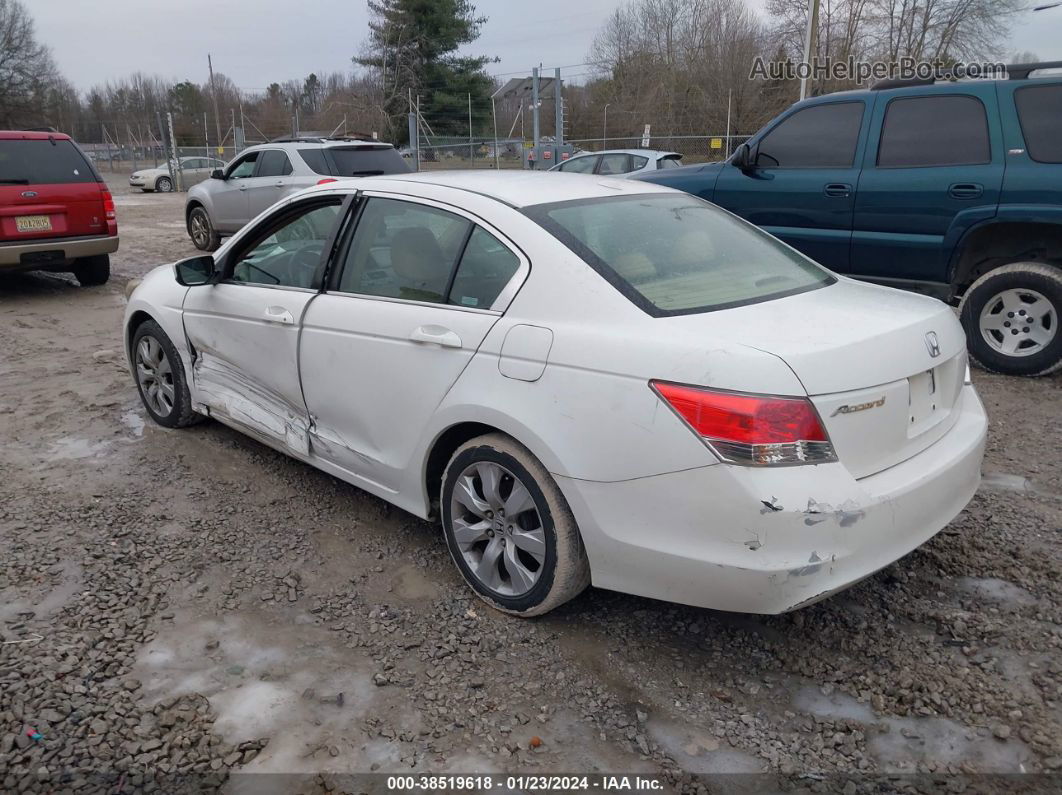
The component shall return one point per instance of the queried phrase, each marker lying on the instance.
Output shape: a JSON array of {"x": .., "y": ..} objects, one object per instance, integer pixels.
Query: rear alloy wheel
[
  {"x": 163, "y": 185},
  {"x": 160, "y": 377},
  {"x": 202, "y": 232},
  {"x": 509, "y": 529},
  {"x": 93, "y": 271},
  {"x": 1011, "y": 318}
]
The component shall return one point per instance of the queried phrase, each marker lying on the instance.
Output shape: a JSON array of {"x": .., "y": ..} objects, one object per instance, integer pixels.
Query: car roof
[
  {"x": 516, "y": 188},
  {"x": 31, "y": 135},
  {"x": 640, "y": 152},
  {"x": 330, "y": 143}
]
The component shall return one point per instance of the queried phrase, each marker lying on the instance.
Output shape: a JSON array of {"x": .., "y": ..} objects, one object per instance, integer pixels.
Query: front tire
[
  {"x": 1011, "y": 317},
  {"x": 201, "y": 230},
  {"x": 160, "y": 377},
  {"x": 163, "y": 185},
  {"x": 509, "y": 529},
  {"x": 93, "y": 271}
]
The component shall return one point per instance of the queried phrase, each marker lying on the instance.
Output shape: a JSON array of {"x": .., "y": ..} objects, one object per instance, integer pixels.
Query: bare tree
[{"x": 27, "y": 71}]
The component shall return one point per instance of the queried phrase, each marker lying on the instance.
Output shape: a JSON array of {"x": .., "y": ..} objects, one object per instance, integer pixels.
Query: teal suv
[{"x": 949, "y": 187}]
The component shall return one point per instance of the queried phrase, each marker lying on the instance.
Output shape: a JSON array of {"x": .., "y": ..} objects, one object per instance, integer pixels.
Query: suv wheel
[
  {"x": 204, "y": 237},
  {"x": 93, "y": 271},
  {"x": 509, "y": 529},
  {"x": 1011, "y": 317},
  {"x": 163, "y": 185}
]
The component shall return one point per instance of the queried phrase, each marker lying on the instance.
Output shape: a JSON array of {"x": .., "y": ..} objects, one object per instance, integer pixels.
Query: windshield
[{"x": 674, "y": 255}]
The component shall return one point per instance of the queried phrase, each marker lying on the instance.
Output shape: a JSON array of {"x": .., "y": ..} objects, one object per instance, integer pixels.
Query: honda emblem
[{"x": 933, "y": 344}]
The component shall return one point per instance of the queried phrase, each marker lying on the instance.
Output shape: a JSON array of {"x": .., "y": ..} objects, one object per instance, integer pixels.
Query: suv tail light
[
  {"x": 762, "y": 430},
  {"x": 326, "y": 180},
  {"x": 108, "y": 210}
]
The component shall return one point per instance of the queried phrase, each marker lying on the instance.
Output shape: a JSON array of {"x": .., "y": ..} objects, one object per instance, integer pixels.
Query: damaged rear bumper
[{"x": 765, "y": 540}]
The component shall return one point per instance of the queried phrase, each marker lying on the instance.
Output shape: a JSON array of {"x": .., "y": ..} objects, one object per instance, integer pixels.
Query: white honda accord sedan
[{"x": 587, "y": 380}]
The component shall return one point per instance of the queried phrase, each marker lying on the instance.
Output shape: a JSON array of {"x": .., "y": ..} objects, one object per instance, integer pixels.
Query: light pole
[
  {"x": 604, "y": 125},
  {"x": 809, "y": 43}
]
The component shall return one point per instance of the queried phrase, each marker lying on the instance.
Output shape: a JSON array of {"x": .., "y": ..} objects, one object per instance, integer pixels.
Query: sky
[{"x": 256, "y": 42}]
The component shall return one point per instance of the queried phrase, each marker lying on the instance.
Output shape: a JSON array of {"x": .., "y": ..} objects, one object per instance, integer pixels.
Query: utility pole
[
  {"x": 558, "y": 114},
  {"x": 214, "y": 92},
  {"x": 534, "y": 110},
  {"x": 809, "y": 43},
  {"x": 604, "y": 126},
  {"x": 471, "y": 154}
]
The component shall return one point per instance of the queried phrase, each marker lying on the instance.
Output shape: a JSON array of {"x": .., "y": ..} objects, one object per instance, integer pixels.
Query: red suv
[{"x": 56, "y": 213}]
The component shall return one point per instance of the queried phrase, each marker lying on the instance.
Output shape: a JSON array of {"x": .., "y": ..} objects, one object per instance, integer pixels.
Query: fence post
[{"x": 175, "y": 163}]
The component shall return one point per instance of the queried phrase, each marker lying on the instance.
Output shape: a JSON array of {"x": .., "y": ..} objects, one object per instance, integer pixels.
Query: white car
[
  {"x": 586, "y": 380},
  {"x": 619, "y": 162},
  {"x": 193, "y": 170}
]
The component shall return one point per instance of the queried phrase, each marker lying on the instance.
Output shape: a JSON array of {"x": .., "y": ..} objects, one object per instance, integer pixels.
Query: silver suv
[{"x": 264, "y": 174}]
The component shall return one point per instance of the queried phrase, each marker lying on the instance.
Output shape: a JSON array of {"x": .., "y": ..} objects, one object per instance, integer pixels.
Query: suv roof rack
[
  {"x": 1016, "y": 71},
  {"x": 297, "y": 139}
]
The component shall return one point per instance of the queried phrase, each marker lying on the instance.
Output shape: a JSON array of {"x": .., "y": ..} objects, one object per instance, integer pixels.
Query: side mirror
[
  {"x": 217, "y": 173},
  {"x": 745, "y": 158},
  {"x": 195, "y": 271}
]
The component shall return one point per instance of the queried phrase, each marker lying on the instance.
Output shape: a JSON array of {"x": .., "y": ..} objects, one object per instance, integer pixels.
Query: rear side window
[
  {"x": 638, "y": 162},
  {"x": 1040, "y": 114},
  {"x": 822, "y": 136},
  {"x": 314, "y": 158},
  {"x": 669, "y": 162},
  {"x": 403, "y": 250},
  {"x": 486, "y": 267},
  {"x": 934, "y": 131},
  {"x": 674, "y": 255},
  {"x": 25, "y": 162},
  {"x": 614, "y": 164},
  {"x": 274, "y": 164},
  {"x": 355, "y": 161}
]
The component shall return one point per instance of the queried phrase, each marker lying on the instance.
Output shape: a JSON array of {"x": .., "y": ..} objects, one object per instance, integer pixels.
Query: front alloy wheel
[
  {"x": 164, "y": 185},
  {"x": 160, "y": 377}
]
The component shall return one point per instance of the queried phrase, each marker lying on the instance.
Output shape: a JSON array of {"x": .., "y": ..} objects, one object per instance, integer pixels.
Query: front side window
[
  {"x": 403, "y": 250},
  {"x": 290, "y": 252},
  {"x": 274, "y": 164},
  {"x": 614, "y": 164},
  {"x": 822, "y": 136},
  {"x": 934, "y": 131},
  {"x": 579, "y": 165},
  {"x": 678, "y": 254},
  {"x": 1040, "y": 116},
  {"x": 244, "y": 166}
]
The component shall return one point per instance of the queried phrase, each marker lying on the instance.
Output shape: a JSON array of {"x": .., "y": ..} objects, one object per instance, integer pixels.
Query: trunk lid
[
  {"x": 49, "y": 190},
  {"x": 884, "y": 368}
]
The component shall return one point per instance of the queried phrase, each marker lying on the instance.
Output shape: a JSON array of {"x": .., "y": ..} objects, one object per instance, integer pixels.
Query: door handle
[
  {"x": 966, "y": 190},
  {"x": 278, "y": 314},
  {"x": 437, "y": 335},
  {"x": 279, "y": 183},
  {"x": 842, "y": 189},
  {"x": 242, "y": 187}
]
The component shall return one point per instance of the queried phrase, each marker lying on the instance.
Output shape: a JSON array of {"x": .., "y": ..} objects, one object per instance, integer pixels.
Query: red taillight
[
  {"x": 326, "y": 180},
  {"x": 108, "y": 204},
  {"x": 751, "y": 429}
]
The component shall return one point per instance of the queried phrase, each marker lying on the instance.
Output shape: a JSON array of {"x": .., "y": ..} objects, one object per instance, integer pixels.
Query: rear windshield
[
  {"x": 24, "y": 162},
  {"x": 674, "y": 255},
  {"x": 355, "y": 161}
]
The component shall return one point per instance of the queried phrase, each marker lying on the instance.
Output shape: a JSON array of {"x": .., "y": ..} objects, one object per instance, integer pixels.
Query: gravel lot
[{"x": 191, "y": 602}]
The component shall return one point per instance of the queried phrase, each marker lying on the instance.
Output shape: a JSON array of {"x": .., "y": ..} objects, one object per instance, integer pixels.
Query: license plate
[{"x": 33, "y": 223}]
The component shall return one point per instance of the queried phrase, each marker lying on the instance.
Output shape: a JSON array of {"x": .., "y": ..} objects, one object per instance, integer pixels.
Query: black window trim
[
  {"x": 539, "y": 213},
  {"x": 240, "y": 159},
  {"x": 227, "y": 265},
  {"x": 885, "y": 118},
  {"x": 342, "y": 247},
  {"x": 1021, "y": 126},
  {"x": 855, "y": 152}
]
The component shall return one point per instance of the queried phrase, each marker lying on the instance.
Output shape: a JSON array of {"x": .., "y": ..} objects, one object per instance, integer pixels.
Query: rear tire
[
  {"x": 201, "y": 230},
  {"x": 160, "y": 378},
  {"x": 93, "y": 271},
  {"x": 528, "y": 562},
  {"x": 163, "y": 185},
  {"x": 1011, "y": 316}
]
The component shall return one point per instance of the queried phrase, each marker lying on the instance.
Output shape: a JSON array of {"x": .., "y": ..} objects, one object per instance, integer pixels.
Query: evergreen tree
[{"x": 413, "y": 46}]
